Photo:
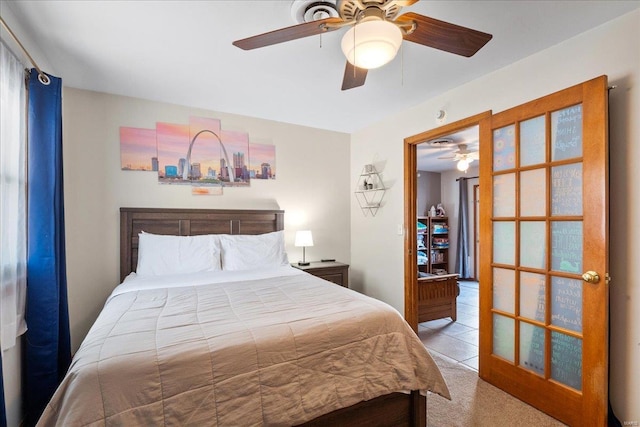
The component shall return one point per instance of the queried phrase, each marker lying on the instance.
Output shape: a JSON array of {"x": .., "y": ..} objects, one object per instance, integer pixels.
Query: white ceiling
[
  {"x": 180, "y": 52},
  {"x": 429, "y": 154}
]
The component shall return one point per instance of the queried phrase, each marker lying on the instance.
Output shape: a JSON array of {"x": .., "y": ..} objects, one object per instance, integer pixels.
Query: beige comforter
[{"x": 274, "y": 351}]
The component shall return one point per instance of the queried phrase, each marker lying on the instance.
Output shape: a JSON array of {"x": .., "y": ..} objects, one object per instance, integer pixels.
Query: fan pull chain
[
  {"x": 355, "y": 48},
  {"x": 402, "y": 64}
]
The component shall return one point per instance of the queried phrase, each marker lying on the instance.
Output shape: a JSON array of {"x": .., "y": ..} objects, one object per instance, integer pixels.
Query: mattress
[{"x": 270, "y": 347}]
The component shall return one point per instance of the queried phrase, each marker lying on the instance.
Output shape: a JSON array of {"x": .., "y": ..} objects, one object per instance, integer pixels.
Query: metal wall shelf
[{"x": 369, "y": 190}]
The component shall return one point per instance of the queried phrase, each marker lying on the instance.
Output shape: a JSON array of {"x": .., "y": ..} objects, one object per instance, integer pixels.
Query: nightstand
[{"x": 335, "y": 272}]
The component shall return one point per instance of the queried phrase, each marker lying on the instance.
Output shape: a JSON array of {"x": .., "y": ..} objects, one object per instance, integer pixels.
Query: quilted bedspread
[{"x": 272, "y": 351}]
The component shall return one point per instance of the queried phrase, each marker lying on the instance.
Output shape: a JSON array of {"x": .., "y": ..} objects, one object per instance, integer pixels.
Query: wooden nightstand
[{"x": 335, "y": 272}]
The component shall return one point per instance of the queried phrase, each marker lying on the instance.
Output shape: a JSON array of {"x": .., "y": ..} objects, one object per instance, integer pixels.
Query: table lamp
[{"x": 304, "y": 239}]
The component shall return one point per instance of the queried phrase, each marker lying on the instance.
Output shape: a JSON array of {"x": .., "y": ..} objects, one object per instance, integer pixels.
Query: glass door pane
[
  {"x": 566, "y": 133},
  {"x": 538, "y": 240}
]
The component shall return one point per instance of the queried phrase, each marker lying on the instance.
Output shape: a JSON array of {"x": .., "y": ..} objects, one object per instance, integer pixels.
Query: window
[{"x": 13, "y": 241}]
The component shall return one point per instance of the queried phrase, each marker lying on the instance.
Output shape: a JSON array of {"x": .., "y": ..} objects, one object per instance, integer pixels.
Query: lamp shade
[
  {"x": 303, "y": 238},
  {"x": 371, "y": 44}
]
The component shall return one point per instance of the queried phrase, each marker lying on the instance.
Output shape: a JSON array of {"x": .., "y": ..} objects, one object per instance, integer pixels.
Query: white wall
[
  {"x": 312, "y": 186},
  {"x": 429, "y": 191},
  {"x": 612, "y": 49}
]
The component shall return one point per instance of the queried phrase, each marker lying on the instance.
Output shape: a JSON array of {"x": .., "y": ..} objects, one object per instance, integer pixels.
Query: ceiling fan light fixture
[
  {"x": 371, "y": 44},
  {"x": 463, "y": 165}
]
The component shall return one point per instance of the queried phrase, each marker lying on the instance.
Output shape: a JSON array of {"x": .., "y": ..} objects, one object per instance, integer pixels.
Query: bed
[{"x": 238, "y": 345}]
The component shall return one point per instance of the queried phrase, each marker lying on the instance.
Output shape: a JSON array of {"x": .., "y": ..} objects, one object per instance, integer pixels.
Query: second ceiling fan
[
  {"x": 376, "y": 34},
  {"x": 463, "y": 156}
]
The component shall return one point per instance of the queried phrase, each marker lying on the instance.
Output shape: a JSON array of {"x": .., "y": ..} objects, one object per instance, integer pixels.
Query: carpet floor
[{"x": 476, "y": 403}]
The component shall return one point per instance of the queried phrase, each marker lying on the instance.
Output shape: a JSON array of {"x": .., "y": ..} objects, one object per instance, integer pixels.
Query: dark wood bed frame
[{"x": 394, "y": 409}]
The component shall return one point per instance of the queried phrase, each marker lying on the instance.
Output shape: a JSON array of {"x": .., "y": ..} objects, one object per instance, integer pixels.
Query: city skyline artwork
[{"x": 200, "y": 154}]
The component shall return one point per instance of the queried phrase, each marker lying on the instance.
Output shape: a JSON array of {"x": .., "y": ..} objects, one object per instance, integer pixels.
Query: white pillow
[
  {"x": 245, "y": 252},
  {"x": 160, "y": 255}
]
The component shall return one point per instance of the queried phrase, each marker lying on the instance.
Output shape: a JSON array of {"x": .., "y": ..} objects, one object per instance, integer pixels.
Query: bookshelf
[{"x": 433, "y": 244}]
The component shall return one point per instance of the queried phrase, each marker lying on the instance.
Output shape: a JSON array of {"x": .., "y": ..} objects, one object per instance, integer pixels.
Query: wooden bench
[{"x": 437, "y": 297}]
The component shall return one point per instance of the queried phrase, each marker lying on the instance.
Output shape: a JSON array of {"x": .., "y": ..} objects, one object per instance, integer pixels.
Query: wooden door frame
[{"x": 483, "y": 121}]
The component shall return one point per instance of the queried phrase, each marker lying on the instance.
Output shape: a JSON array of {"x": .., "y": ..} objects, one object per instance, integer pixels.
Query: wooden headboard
[{"x": 188, "y": 222}]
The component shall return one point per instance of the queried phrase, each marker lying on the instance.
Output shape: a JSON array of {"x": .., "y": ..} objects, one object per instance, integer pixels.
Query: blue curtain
[
  {"x": 462, "y": 257},
  {"x": 47, "y": 352}
]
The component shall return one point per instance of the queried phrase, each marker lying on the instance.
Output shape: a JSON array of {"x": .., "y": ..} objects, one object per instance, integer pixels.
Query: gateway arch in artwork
[{"x": 185, "y": 172}]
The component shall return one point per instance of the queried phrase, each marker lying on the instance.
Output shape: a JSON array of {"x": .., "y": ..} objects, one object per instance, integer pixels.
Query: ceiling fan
[
  {"x": 375, "y": 35},
  {"x": 463, "y": 156}
]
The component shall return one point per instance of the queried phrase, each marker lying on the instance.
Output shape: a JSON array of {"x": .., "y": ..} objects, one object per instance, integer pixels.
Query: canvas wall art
[
  {"x": 262, "y": 159},
  {"x": 138, "y": 151},
  {"x": 200, "y": 154}
]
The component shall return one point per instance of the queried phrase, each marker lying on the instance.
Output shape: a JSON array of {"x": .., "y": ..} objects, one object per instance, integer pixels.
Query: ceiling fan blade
[
  {"x": 289, "y": 33},
  {"x": 405, "y": 3},
  {"x": 444, "y": 35},
  {"x": 353, "y": 76}
]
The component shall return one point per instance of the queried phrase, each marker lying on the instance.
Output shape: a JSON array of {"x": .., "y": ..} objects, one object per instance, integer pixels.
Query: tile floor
[{"x": 457, "y": 340}]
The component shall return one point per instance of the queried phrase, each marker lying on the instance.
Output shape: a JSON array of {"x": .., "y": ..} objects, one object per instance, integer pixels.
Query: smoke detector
[{"x": 303, "y": 11}]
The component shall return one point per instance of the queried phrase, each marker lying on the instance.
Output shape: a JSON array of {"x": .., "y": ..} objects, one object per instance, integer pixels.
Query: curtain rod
[
  {"x": 465, "y": 177},
  {"x": 44, "y": 79}
]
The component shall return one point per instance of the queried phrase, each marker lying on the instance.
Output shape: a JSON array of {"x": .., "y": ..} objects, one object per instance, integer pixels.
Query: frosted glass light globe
[
  {"x": 463, "y": 165},
  {"x": 371, "y": 44}
]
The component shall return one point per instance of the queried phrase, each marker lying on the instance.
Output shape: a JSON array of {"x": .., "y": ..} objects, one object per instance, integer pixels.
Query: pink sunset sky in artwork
[
  {"x": 206, "y": 149},
  {"x": 137, "y": 147},
  {"x": 169, "y": 142},
  {"x": 173, "y": 141},
  {"x": 262, "y": 153}
]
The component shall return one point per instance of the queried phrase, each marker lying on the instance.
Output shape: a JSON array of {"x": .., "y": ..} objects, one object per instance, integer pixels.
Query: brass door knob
[{"x": 591, "y": 277}]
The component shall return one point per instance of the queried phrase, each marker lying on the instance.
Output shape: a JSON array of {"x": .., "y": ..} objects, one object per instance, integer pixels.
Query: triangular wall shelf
[{"x": 369, "y": 190}]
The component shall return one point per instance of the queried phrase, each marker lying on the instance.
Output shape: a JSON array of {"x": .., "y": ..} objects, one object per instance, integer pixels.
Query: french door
[{"x": 544, "y": 254}]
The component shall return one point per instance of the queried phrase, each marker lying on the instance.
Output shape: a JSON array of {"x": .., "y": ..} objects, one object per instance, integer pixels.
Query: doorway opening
[
  {"x": 447, "y": 179},
  {"x": 435, "y": 156}
]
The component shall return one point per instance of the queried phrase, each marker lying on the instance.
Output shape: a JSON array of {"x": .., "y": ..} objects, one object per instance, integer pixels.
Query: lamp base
[{"x": 301, "y": 263}]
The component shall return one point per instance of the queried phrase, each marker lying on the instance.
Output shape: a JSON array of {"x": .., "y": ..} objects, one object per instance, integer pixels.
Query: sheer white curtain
[{"x": 13, "y": 240}]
